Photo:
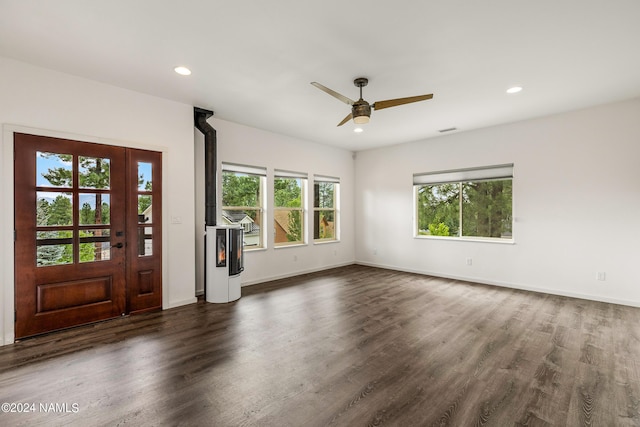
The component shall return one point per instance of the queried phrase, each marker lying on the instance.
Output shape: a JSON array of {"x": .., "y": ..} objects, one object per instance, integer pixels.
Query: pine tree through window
[{"x": 473, "y": 203}]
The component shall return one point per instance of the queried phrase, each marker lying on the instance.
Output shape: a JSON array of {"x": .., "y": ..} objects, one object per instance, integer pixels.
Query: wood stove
[{"x": 225, "y": 263}]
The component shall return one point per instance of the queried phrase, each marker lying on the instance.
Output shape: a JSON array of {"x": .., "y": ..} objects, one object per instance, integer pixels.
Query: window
[
  {"x": 474, "y": 203},
  {"x": 325, "y": 208},
  {"x": 288, "y": 212},
  {"x": 243, "y": 201}
]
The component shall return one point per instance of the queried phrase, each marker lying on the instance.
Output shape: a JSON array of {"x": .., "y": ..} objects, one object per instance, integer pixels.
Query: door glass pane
[
  {"x": 95, "y": 235},
  {"x": 54, "y": 170},
  {"x": 93, "y": 172},
  {"x": 145, "y": 241},
  {"x": 94, "y": 208},
  {"x": 98, "y": 251},
  {"x": 54, "y": 234},
  {"x": 47, "y": 255},
  {"x": 144, "y": 176},
  {"x": 95, "y": 245},
  {"x": 144, "y": 209},
  {"x": 54, "y": 208}
]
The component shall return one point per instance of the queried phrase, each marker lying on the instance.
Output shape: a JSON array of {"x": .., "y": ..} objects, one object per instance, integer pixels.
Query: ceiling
[{"x": 253, "y": 60}]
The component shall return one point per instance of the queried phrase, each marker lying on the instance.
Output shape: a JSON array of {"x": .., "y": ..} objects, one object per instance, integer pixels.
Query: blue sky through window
[
  {"x": 144, "y": 170},
  {"x": 46, "y": 162}
]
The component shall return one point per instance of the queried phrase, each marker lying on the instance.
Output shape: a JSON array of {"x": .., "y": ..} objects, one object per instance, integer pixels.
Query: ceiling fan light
[
  {"x": 361, "y": 120},
  {"x": 183, "y": 71}
]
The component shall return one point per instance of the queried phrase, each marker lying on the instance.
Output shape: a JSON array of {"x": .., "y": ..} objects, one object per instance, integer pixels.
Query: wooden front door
[{"x": 74, "y": 202}]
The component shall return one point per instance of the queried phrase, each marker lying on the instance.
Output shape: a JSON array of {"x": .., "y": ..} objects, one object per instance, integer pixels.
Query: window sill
[
  {"x": 293, "y": 245},
  {"x": 469, "y": 239},
  {"x": 324, "y": 242}
]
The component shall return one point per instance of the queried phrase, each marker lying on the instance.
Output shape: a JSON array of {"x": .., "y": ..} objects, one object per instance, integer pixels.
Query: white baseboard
[
  {"x": 180, "y": 303},
  {"x": 294, "y": 273},
  {"x": 9, "y": 338},
  {"x": 508, "y": 285}
]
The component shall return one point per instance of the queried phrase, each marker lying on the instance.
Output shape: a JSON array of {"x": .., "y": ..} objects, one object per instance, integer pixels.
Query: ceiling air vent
[{"x": 447, "y": 130}]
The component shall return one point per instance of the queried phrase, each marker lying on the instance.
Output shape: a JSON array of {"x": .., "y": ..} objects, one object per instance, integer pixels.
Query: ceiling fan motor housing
[{"x": 361, "y": 111}]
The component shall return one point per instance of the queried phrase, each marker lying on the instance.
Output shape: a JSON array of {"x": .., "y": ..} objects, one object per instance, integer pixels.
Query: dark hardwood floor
[{"x": 352, "y": 346}]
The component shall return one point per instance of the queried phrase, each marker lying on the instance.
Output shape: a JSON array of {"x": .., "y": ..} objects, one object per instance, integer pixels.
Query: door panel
[
  {"x": 144, "y": 252},
  {"x": 82, "y": 251},
  {"x": 69, "y": 215}
]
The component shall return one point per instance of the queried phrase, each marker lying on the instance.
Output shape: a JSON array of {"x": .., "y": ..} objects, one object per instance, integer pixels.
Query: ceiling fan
[{"x": 361, "y": 109}]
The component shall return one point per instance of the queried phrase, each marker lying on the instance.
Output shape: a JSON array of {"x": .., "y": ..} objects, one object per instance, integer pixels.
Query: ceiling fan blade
[
  {"x": 346, "y": 119},
  {"x": 379, "y": 105},
  {"x": 333, "y": 93}
]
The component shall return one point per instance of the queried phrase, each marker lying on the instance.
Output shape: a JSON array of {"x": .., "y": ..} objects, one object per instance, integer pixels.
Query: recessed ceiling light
[
  {"x": 183, "y": 71},
  {"x": 358, "y": 130},
  {"x": 514, "y": 89}
]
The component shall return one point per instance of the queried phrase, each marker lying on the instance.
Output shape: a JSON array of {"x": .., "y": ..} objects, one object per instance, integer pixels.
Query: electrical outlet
[
  {"x": 375, "y": 251},
  {"x": 602, "y": 276},
  {"x": 469, "y": 261},
  {"x": 295, "y": 258}
]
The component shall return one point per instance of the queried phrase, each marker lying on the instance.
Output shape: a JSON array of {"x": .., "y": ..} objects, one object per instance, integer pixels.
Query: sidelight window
[{"x": 145, "y": 209}]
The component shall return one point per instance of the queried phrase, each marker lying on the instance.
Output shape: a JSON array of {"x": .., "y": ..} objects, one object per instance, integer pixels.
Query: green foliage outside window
[
  {"x": 59, "y": 212},
  {"x": 242, "y": 199},
  {"x": 93, "y": 173},
  {"x": 241, "y": 191},
  {"x": 466, "y": 209},
  {"x": 439, "y": 204},
  {"x": 143, "y": 201},
  {"x": 439, "y": 229},
  {"x": 486, "y": 209}
]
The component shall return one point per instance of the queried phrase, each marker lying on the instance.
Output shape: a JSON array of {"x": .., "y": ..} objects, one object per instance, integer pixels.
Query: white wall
[
  {"x": 576, "y": 201},
  {"x": 249, "y": 146},
  {"x": 35, "y": 100}
]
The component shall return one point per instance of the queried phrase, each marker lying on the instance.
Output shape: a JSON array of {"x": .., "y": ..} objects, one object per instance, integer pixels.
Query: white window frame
[
  {"x": 304, "y": 178},
  {"x": 336, "y": 207},
  {"x": 261, "y": 173},
  {"x": 460, "y": 176}
]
